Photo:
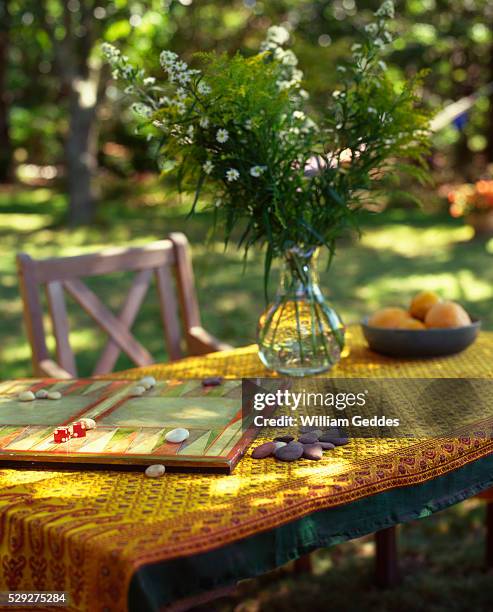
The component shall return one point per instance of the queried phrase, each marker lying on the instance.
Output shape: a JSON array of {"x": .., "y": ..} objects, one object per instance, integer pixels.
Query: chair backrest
[{"x": 167, "y": 260}]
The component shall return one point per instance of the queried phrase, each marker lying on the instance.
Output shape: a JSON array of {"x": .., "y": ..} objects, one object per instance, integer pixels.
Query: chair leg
[
  {"x": 489, "y": 534},
  {"x": 387, "y": 570},
  {"x": 303, "y": 565}
]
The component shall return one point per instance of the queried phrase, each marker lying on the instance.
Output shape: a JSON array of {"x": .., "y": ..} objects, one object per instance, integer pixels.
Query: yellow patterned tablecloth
[{"x": 88, "y": 532}]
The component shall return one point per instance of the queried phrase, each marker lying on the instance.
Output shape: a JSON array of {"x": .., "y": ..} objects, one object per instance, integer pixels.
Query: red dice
[
  {"x": 61, "y": 434},
  {"x": 78, "y": 430}
]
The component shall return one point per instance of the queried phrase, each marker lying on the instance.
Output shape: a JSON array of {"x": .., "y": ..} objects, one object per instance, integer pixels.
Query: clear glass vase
[{"x": 300, "y": 334}]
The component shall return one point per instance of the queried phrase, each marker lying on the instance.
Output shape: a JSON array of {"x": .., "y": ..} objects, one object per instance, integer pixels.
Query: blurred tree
[
  {"x": 454, "y": 40},
  {"x": 73, "y": 27},
  {"x": 5, "y": 141},
  {"x": 73, "y": 31}
]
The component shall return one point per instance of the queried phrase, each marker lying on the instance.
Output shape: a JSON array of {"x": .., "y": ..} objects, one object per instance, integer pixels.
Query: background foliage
[{"x": 51, "y": 77}]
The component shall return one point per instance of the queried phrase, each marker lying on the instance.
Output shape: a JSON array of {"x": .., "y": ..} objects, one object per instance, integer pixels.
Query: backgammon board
[{"x": 130, "y": 430}]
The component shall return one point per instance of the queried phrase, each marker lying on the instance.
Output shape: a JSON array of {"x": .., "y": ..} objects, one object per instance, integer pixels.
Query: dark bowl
[{"x": 433, "y": 342}]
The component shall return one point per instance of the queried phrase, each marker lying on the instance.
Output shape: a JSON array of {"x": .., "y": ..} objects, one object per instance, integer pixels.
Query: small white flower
[
  {"x": 257, "y": 171},
  {"x": 129, "y": 90},
  {"x": 167, "y": 58},
  {"x": 232, "y": 175},
  {"x": 371, "y": 29},
  {"x": 164, "y": 101},
  {"x": 142, "y": 109},
  {"x": 218, "y": 203},
  {"x": 181, "y": 93},
  {"x": 336, "y": 93},
  {"x": 289, "y": 58},
  {"x": 181, "y": 66},
  {"x": 299, "y": 114},
  {"x": 110, "y": 51},
  {"x": 204, "y": 122},
  {"x": 378, "y": 42},
  {"x": 203, "y": 88},
  {"x": 222, "y": 136},
  {"x": 190, "y": 131},
  {"x": 149, "y": 81},
  {"x": 372, "y": 110},
  {"x": 183, "y": 77},
  {"x": 181, "y": 108},
  {"x": 338, "y": 126},
  {"x": 208, "y": 166},
  {"x": 277, "y": 35},
  {"x": 248, "y": 124},
  {"x": 387, "y": 9}
]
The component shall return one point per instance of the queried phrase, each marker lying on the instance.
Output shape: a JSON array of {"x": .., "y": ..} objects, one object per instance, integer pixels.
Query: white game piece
[
  {"x": 89, "y": 423},
  {"x": 26, "y": 396},
  {"x": 54, "y": 395},
  {"x": 155, "y": 471},
  {"x": 137, "y": 391},
  {"x": 147, "y": 382},
  {"x": 41, "y": 394},
  {"x": 177, "y": 435}
]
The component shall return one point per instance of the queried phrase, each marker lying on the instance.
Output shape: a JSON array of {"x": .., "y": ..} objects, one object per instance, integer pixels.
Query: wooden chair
[{"x": 163, "y": 260}]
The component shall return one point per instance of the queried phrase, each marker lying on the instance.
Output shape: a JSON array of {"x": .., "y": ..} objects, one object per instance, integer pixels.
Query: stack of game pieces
[
  {"x": 143, "y": 385},
  {"x": 309, "y": 445}
]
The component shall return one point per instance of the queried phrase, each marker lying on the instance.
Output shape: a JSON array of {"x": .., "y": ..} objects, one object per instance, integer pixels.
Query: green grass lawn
[{"x": 400, "y": 253}]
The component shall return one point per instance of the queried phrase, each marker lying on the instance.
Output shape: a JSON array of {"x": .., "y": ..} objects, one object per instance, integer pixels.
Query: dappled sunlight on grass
[
  {"x": 462, "y": 285},
  {"x": 15, "y": 352},
  {"x": 403, "y": 240},
  {"x": 23, "y": 223}
]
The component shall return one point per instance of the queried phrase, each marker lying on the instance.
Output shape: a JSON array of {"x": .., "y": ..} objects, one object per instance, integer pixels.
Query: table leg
[
  {"x": 387, "y": 570},
  {"x": 303, "y": 565},
  {"x": 489, "y": 534}
]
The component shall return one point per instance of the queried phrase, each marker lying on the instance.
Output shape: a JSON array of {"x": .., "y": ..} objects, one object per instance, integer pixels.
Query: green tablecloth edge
[{"x": 157, "y": 584}]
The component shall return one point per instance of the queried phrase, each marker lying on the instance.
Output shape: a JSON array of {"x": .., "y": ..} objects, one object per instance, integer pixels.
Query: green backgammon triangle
[
  {"x": 195, "y": 434},
  {"x": 215, "y": 433}
]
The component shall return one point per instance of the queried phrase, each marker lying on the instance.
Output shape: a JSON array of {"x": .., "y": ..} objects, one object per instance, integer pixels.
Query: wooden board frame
[{"x": 100, "y": 398}]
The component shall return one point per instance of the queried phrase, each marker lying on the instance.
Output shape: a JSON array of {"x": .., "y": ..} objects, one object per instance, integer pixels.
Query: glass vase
[{"x": 300, "y": 334}]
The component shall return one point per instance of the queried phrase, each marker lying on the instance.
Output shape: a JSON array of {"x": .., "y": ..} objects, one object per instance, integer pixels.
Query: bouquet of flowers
[
  {"x": 471, "y": 198},
  {"x": 238, "y": 127}
]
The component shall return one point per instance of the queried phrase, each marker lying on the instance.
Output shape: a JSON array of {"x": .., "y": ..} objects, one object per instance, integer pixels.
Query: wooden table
[{"x": 112, "y": 538}]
